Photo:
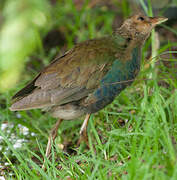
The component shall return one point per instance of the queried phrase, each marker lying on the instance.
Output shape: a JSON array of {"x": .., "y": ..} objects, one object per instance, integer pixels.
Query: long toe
[{"x": 52, "y": 136}]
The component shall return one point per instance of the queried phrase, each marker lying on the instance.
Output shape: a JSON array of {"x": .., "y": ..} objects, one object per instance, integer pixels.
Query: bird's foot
[
  {"x": 83, "y": 132},
  {"x": 83, "y": 138},
  {"x": 52, "y": 136}
]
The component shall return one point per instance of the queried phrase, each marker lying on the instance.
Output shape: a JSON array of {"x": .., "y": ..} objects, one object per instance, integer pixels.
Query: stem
[{"x": 153, "y": 43}]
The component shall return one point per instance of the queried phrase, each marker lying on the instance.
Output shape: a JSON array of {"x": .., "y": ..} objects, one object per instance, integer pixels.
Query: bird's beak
[{"x": 157, "y": 20}]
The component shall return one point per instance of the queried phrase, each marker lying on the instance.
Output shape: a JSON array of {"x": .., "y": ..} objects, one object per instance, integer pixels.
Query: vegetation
[{"x": 133, "y": 138}]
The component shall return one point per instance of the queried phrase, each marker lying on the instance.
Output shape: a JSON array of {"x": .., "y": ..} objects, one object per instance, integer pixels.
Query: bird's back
[
  {"x": 72, "y": 76},
  {"x": 79, "y": 76}
]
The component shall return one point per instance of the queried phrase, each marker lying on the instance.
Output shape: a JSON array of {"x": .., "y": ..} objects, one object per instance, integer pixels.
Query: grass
[{"x": 132, "y": 138}]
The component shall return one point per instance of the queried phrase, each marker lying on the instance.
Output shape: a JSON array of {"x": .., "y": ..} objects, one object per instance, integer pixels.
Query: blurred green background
[{"x": 133, "y": 138}]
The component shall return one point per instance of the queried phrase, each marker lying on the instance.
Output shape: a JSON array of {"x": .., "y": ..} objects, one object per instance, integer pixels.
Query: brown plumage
[{"x": 82, "y": 81}]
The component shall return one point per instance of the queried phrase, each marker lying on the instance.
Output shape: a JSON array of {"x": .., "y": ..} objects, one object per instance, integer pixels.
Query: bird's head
[{"x": 139, "y": 26}]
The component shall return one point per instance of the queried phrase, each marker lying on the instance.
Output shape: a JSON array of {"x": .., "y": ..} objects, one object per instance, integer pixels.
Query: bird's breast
[{"x": 118, "y": 78}]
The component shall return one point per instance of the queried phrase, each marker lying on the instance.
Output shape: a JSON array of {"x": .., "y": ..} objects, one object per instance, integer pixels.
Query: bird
[{"x": 89, "y": 76}]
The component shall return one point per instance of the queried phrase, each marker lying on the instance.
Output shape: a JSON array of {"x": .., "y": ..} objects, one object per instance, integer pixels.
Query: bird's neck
[
  {"x": 130, "y": 33},
  {"x": 122, "y": 31},
  {"x": 126, "y": 45}
]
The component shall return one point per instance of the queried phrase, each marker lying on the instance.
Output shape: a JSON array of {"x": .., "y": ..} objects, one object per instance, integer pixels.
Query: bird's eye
[
  {"x": 129, "y": 39},
  {"x": 141, "y": 18}
]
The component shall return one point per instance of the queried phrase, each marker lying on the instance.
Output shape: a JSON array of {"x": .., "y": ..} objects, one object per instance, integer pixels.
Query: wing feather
[{"x": 78, "y": 71}]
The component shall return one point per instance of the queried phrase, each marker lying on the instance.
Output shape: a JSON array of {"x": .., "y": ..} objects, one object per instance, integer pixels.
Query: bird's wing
[
  {"x": 115, "y": 80},
  {"x": 70, "y": 77}
]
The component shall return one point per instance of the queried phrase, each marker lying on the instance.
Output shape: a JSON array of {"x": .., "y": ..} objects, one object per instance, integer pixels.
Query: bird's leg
[
  {"x": 51, "y": 138},
  {"x": 83, "y": 131}
]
